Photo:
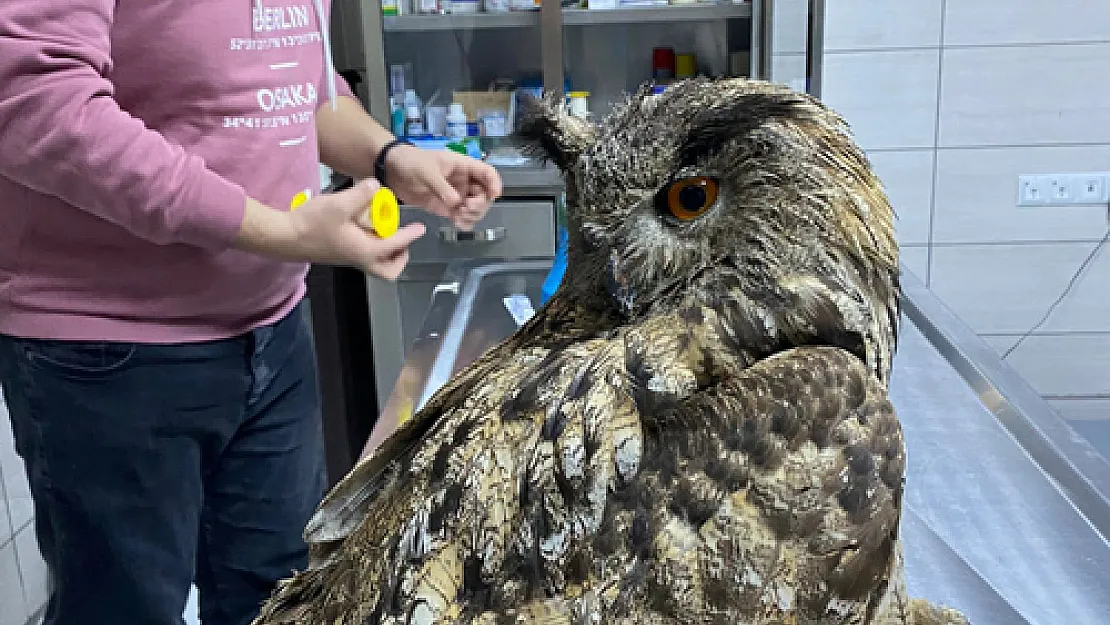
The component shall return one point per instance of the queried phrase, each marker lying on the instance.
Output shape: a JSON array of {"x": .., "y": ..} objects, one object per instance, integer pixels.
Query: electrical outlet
[
  {"x": 1032, "y": 191},
  {"x": 1060, "y": 190},
  {"x": 1091, "y": 188},
  {"x": 1084, "y": 189}
]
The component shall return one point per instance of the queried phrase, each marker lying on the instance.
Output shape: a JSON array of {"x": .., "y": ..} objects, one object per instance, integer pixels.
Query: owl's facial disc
[{"x": 656, "y": 246}]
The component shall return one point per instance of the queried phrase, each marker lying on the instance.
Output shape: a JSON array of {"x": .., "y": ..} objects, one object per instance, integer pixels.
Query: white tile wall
[
  {"x": 916, "y": 259},
  {"x": 1082, "y": 409},
  {"x": 13, "y": 609},
  {"x": 1048, "y": 363},
  {"x": 1035, "y": 95},
  {"x": 6, "y": 531},
  {"x": 866, "y": 24},
  {"x": 992, "y": 22},
  {"x": 888, "y": 97},
  {"x": 1087, "y": 307},
  {"x": 976, "y": 198},
  {"x": 1006, "y": 289},
  {"x": 1000, "y": 342},
  {"x": 993, "y": 89},
  {"x": 32, "y": 569},
  {"x": 23, "y": 578},
  {"x": 18, "y": 494},
  {"x": 907, "y": 176}
]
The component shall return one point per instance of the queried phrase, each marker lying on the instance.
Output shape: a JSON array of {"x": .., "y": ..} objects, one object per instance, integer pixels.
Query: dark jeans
[{"x": 153, "y": 466}]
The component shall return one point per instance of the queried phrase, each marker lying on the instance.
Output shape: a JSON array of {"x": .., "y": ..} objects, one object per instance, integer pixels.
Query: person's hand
[
  {"x": 333, "y": 230},
  {"x": 329, "y": 229},
  {"x": 453, "y": 186}
]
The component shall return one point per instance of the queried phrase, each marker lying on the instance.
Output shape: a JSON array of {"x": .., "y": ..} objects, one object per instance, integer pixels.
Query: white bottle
[
  {"x": 456, "y": 122},
  {"x": 414, "y": 121}
]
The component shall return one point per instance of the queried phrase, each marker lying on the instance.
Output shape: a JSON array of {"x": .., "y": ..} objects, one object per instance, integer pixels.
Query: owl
[{"x": 694, "y": 429}]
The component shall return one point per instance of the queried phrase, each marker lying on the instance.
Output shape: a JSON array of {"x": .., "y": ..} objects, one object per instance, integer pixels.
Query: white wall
[
  {"x": 23, "y": 577},
  {"x": 953, "y": 100}
]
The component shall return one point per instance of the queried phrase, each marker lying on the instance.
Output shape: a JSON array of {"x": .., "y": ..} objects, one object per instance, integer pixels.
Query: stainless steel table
[{"x": 1007, "y": 510}]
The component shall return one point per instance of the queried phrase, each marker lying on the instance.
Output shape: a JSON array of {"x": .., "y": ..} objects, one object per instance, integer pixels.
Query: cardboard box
[{"x": 475, "y": 101}]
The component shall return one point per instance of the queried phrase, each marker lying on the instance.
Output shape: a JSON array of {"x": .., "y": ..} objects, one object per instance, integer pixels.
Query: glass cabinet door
[
  {"x": 442, "y": 73},
  {"x": 613, "y": 47},
  {"x": 417, "y": 58}
]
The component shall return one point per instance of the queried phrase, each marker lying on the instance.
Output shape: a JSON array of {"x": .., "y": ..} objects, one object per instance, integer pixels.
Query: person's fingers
[
  {"x": 488, "y": 178},
  {"x": 355, "y": 200},
  {"x": 402, "y": 239},
  {"x": 474, "y": 209},
  {"x": 443, "y": 191},
  {"x": 368, "y": 245},
  {"x": 390, "y": 267},
  {"x": 386, "y": 258}
]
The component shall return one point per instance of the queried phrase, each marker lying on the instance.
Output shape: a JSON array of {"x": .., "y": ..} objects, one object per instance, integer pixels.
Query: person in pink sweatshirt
[{"x": 154, "y": 355}]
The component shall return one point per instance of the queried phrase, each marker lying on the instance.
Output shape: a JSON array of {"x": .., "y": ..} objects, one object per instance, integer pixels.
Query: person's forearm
[
  {"x": 266, "y": 231},
  {"x": 350, "y": 138},
  {"x": 63, "y": 134}
]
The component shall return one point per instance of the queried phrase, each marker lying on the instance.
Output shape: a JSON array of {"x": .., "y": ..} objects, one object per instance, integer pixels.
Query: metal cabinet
[{"x": 511, "y": 229}]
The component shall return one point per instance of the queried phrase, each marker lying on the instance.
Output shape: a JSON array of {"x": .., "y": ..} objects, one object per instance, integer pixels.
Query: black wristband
[{"x": 379, "y": 163}]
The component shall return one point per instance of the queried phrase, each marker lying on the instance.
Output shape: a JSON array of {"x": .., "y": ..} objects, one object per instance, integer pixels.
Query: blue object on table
[
  {"x": 427, "y": 142},
  {"x": 555, "y": 276}
]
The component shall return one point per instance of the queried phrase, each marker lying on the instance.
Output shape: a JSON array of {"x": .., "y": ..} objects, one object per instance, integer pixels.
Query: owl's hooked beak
[{"x": 620, "y": 288}]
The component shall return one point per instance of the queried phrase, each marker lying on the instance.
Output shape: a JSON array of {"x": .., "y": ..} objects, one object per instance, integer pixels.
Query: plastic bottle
[
  {"x": 414, "y": 121},
  {"x": 579, "y": 103},
  {"x": 456, "y": 122},
  {"x": 396, "y": 116}
]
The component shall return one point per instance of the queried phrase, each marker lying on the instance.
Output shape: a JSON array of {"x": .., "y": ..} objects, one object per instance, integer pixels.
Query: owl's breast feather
[{"x": 618, "y": 284}]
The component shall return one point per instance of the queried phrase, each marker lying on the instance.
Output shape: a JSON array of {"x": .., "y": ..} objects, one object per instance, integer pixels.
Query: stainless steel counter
[{"x": 1007, "y": 510}]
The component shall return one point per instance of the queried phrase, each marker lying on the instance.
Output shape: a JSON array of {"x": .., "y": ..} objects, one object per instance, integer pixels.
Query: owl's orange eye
[{"x": 690, "y": 198}]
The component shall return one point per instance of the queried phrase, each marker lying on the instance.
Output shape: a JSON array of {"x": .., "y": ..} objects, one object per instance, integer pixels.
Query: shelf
[
  {"x": 571, "y": 17},
  {"x": 465, "y": 21},
  {"x": 671, "y": 13}
]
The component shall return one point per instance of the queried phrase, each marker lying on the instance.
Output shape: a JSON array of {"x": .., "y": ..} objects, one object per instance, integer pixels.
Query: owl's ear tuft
[{"x": 553, "y": 132}]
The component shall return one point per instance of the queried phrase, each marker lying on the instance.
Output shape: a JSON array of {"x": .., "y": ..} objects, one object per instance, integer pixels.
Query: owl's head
[{"x": 742, "y": 196}]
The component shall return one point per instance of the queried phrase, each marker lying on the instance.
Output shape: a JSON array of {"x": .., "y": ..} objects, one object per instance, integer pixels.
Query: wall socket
[{"x": 1082, "y": 189}]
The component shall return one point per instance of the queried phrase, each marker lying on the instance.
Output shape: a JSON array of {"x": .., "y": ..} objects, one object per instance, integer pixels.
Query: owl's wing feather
[
  {"x": 346, "y": 504},
  {"x": 769, "y": 493},
  {"x": 631, "y": 475},
  {"x": 556, "y": 324}
]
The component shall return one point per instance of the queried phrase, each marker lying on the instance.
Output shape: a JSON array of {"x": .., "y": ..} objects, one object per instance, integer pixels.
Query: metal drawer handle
[{"x": 487, "y": 235}]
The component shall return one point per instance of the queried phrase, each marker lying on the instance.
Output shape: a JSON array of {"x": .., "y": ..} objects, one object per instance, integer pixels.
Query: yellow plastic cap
[
  {"x": 299, "y": 200},
  {"x": 385, "y": 214}
]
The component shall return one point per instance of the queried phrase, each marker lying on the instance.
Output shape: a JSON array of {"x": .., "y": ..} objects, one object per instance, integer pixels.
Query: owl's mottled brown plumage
[{"x": 695, "y": 429}]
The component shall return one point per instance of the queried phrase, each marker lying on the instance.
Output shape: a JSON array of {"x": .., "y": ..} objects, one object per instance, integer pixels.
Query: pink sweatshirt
[{"x": 131, "y": 132}]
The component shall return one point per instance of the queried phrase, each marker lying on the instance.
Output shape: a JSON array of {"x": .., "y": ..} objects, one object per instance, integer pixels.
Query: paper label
[{"x": 520, "y": 307}]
